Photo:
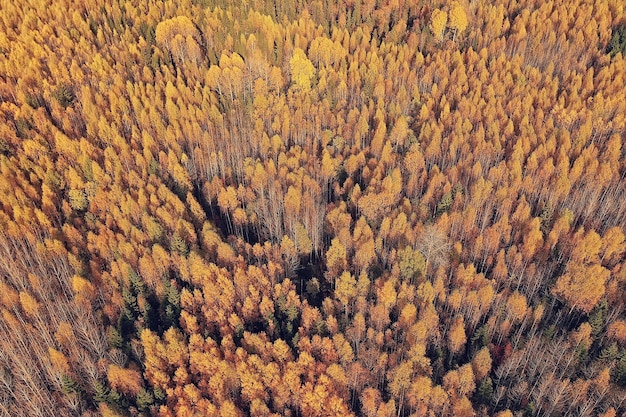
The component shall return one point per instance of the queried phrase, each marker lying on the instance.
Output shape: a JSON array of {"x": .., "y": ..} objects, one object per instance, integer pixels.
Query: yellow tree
[
  {"x": 227, "y": 201},
  {"x": 302, "y": 70},
  {"x": 581, "y": 286},
  {"x": 438, "y": 21},
  {"x": 516, "y": 307},
  {"x": 127, "y": 381},
  {"x": 457, "y": 18},
  {"x": 345, "y": 289},
  {"x": 336, "y": 258},
  {"x": 533, "y": 239},
  {"x": 456, "y": 335},
  {"x": 180, "y": 37},
  {"x": 481, "y": 363}
]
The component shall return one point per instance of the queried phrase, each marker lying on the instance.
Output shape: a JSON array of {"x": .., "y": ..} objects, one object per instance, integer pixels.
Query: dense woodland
[{"x": 312, "y": 208}]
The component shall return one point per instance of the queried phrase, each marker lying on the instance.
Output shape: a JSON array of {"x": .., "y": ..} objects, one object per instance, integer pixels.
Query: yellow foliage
[
  {"x": 302, "y": 70},
  {"x": 516, "y": 306},
  {"x": 83, "y": 287},
  {"x": 168, "y": 29},
  {"x": 481, "y": 363},
  {"x": 124, "y": 380},
  {"x": 227, "y": 199},
  {"x": 617, "y": 331},
  {"x": 78, "y": 199},
  {"x": 582, "y": 287},
  {"x": 59, "y": 361},
  {"x": 345, "y": 288},
  {"x": 458, "y": 18},
  {"x": 302, "y": 240},
  {"x": 438, "y": 21},
  {"x": 456, "y": 335},
  {"x": 336, "y": 256},
  {"x": 106, "y": 411},
  {"x": 29, "y": 303},
  {"x": 9, "y": 298},
  {"x": 343, "y": 133},
  {"x": 388, "y": 295}
]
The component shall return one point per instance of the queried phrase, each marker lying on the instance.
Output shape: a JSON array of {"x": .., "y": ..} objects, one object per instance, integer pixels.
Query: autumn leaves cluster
[{"x": 312, "y": 208}]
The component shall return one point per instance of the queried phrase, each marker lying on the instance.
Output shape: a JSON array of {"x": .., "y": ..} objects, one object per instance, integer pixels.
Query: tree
[
  {"x": 457, "y": 18},
  {"x": 516, "y": 306},
  {"x": 613, "y": 245},
  {"x": 400, "y": 382},
  {"x": 438, "y": 21},
  {"x": 581, "y": 286},
  {"x": 618, "y": 41},
  {"x": 302, "y": 70},
  {"x": 78, "y": 199},
  {"x": 456, "y": 335},
  {"x": 180, "y": 37},
  {"x": 370, "y": 401},
  {"x": 336, "y": 258},
  {"x": 412, "y": 264},
  {"x": 434, "y": 246},
  {"x": 481, "y": 363},
  {"x": 345, "y": 289},
  {"x": 127, "y": 381},
  {"x": 30, "y": 305},
  {"x": 617, "y": 331},
  {"x": 533, "y": 239}
]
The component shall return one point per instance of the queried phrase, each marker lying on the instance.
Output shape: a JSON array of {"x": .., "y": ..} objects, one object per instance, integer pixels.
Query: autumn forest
[{"x": 378, "y": 208}]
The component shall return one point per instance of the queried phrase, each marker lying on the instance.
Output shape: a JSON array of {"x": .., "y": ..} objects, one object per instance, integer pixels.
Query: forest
[{"x": 377, "y": 208}]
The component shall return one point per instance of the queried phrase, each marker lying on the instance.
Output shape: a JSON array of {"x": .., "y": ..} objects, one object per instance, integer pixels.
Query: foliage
[{"x": 312, "y": 208}]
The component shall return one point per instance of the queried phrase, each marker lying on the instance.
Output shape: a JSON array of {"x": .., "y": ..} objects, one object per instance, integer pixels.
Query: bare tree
[{"x": 434, "y": 245}]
